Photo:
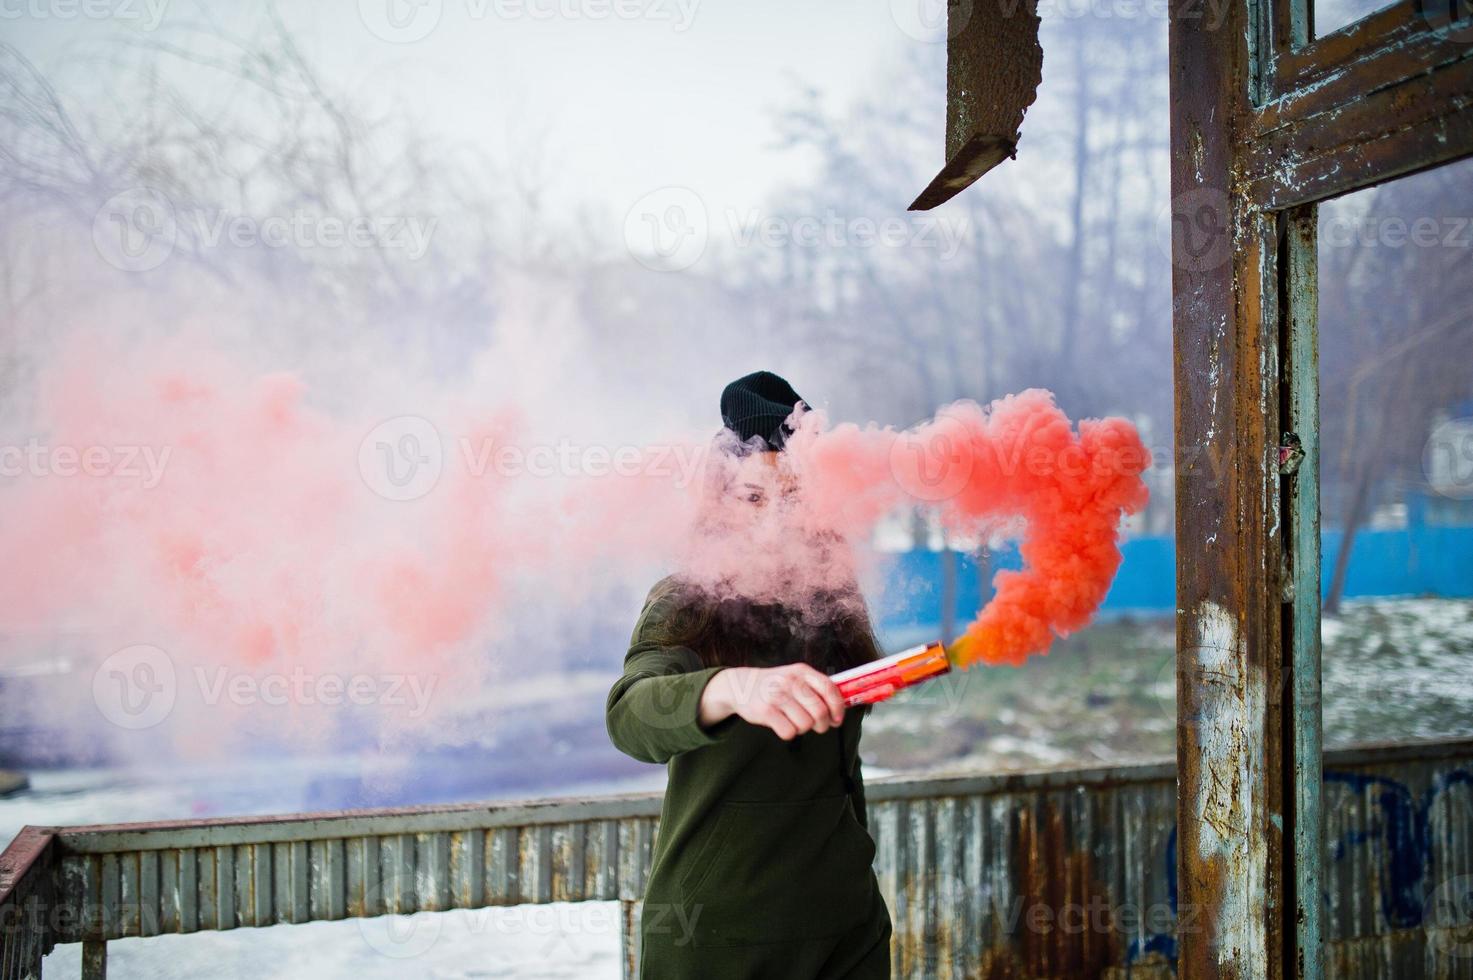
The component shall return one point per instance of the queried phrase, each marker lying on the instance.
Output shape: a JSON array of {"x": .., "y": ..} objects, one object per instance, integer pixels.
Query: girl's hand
[{"x": 791, "y": 699}]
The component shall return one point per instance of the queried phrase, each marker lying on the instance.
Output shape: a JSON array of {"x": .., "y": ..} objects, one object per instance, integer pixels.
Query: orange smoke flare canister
[{"x": 880, "y": 679}]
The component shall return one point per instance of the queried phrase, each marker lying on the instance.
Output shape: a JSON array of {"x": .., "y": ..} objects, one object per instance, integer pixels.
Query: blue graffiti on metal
[{"x": 1404, "y": 837}]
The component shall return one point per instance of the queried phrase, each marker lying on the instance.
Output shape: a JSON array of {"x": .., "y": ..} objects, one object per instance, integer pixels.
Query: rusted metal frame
[
  {"x": 1305, "y": 63},
  {"x": 969, "y": 868},
  {"x": 1230, "y": 749},
  {"x": 629, "y": 913},
  {"x": 1384, "y": 98},
  {"x": 1290, "y": 24},
  {"x": 1299, "y": 492},
  {"x": 94, "y": 959},
  {"x": 297, "y": 827},
  {"x": 27, "y": 901}
]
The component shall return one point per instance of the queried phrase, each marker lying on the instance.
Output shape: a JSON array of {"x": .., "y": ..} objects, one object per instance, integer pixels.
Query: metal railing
[{"x": 1040, "y": 874}]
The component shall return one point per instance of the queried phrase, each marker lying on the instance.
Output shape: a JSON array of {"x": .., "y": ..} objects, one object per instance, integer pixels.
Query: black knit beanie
[{"x": 757, "y": 405}]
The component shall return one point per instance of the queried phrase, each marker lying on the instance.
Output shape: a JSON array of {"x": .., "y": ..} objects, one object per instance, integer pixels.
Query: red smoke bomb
[{"x": 880, "y": 679}]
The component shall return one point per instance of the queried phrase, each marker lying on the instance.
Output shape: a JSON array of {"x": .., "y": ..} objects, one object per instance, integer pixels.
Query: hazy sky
[{"x": 628, "y": 95}]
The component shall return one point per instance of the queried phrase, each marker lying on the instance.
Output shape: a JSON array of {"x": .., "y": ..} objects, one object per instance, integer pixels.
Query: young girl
[{"x": 762, "y": 867}]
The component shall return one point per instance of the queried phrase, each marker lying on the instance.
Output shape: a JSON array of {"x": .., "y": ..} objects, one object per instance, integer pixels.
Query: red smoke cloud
[
  {"x": 1020, "y": 458},
  {"x": 228, "y": 518}
]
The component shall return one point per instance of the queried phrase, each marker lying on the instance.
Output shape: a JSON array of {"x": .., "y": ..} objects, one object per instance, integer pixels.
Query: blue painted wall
[{"x": 1419, "y": 560}]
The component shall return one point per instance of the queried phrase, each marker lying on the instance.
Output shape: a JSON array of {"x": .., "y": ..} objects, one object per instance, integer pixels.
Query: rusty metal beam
[
  {"x": 1266, "y": 123},
  {"x": 1383, "y": 98},
  {"x": 993, "y": 67},
  {"x": 1304, "y": 817},
  {"x": 1230, "y": 752}
]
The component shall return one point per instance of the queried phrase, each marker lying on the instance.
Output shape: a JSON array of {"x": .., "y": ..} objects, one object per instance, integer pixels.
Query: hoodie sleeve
[{"x": 653, "y": 709}]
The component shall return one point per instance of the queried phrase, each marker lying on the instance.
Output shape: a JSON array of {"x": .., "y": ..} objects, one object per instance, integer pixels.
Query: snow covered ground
[{"x": 545, "y": 942}]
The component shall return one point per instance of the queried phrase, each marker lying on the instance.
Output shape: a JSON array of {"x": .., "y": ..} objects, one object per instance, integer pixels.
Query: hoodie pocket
[{"x": 776, "y": 872}]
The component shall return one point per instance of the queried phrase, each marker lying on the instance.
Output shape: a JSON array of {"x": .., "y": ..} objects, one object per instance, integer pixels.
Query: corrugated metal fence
[{"x": 1037, "y": 875}]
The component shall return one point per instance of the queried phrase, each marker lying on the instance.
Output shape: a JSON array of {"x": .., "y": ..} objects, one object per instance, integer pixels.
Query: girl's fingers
[
  {"x": 800, "y": 716},
  {"x": 829, "y": 692},
  {"x": 814, "y": 704},
  {"x": 780, "y": 723}
]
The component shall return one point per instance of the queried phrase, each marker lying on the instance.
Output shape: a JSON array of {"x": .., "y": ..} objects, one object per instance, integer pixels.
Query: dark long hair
[{"x": 832, "y": 633}]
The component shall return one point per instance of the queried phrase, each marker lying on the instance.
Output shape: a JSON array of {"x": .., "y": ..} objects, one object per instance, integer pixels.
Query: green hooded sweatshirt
[{"x": 763, "y": 864}]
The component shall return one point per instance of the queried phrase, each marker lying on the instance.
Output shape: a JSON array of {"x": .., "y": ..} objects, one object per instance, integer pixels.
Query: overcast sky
[{"x": 628, "y": 95}]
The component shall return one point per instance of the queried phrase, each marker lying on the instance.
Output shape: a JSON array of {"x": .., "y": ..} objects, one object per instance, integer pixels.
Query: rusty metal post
[
  {"x": 629, "y": 938},
  {"x": 94, "y": 959},
  {"x": 1301, "y": 494},
  {"x": 1231, "y": 751}
]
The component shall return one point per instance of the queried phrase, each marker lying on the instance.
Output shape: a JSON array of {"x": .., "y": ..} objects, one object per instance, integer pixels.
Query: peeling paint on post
[
  {"x": 1267, "y": 120},
  {"x": 1229, "y": 742}
]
